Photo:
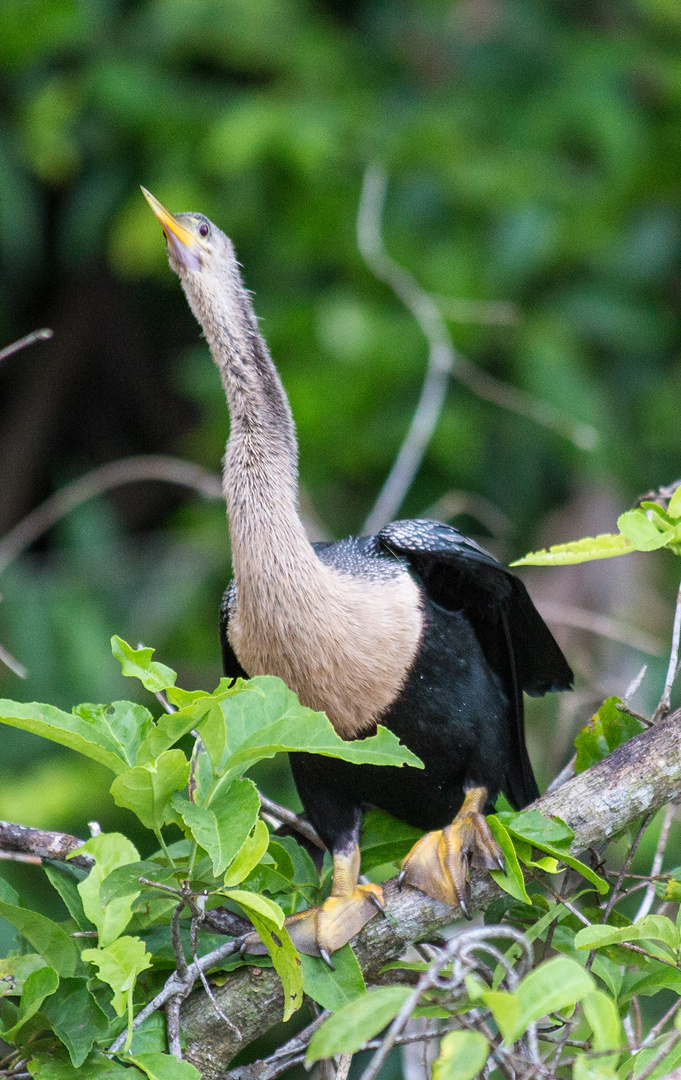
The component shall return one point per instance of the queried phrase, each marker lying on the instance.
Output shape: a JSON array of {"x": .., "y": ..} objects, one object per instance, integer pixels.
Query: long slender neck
[{"x": 260, "y": 477}]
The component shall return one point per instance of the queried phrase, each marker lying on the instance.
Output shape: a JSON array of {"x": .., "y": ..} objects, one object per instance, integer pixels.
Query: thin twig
[
  {"x": 658, "y": 858},
  {"x": 174, "y": 985},
  {"x": 444, "y": 360},
  {"x": 673, "y": 668},
  {"x": 130, "y": 470},
  {"x": 453, "y": 503},
  {"x": 288, "y": 817},
  {"x": 635, "y": 684},
  {"x": 22, "y": 343},
  {"x": 18, "y": 856},
  {"x": 661, "y": 1054},
  {"x": 602, "y": 625},
  {"x": 615, "y": 894},
  {"x": 12, "y": 663}
]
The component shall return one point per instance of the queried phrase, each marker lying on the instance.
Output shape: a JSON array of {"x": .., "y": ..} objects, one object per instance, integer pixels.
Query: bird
[{"x": 417, "y": 628}]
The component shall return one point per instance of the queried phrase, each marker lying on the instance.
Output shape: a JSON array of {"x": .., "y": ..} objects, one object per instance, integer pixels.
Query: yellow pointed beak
[{"x": 186, "y": 246}]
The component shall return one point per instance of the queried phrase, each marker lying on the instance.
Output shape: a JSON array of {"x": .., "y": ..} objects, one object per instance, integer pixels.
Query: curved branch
[
  {"x": 443, "y": 360},
  {"x": 636, "y": 779},
  {"x": 104, "y": 478}
]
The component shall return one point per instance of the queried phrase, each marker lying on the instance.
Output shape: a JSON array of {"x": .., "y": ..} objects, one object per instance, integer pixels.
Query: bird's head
[
  {"x": 193, "y": 243},
  {"x": 204, "y": 260}
]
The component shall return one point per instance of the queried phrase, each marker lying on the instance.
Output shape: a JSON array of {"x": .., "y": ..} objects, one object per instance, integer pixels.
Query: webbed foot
[
  {"x": 439, "y": 863},
  {"x": 319, "y": 931}
]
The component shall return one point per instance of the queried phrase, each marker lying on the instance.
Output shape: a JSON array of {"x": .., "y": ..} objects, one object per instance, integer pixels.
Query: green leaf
[
  {"x": 57, "y": 1066},
  {"x": 147, "y": 789},
  {"x": 333, "y": 989},
  {"x": 603, "y": 1018},
  {"x": 109, "y": 734},
  {"x": 39, "y": 985},
  {"x": 138, "y": 664},
  {"x": 252, "y": 903},
  {"x": 462, "y": 1056},
  {"x": 119, "y": 964},
  {"x": 164, "y": 734},
  {"x": 645, "y": 533},
  {"x": 607, "y": 729},
  {"x": 356, "y": 1023},
  {"x": 284, "y": 955},
  {"x": 125, "y": 880},
  {"x": 15, "y": 969},
  {"x": 165, "y": 1067},
  {"x": 264, "y": 718},
  {"x": 551, "y": 835},
  {"x": 222, "y": 828},
  {"x": 674, "y": 506},
  {"x": 314, "y": 734},
  {"x": 251, "y": 852},
  {"x": 553, "y": 985},
  {"x": 56, "y": 948},
  {"x": 604, "y": 546},
  {"x": 384, "y": 839},
  {"x": 76, "y": 1018},
  {"x": 650, "y": 928},
  {"x": 109, "y": 850},
  {"x": 67, "y": 886},
  {"x": 512, "y": 881}
]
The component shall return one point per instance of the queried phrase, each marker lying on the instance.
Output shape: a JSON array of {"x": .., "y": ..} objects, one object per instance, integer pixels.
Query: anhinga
[{"x": 418, "y": 628}]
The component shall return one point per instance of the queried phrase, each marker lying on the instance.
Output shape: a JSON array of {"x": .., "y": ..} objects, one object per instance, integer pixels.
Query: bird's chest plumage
[{"x": 344, "y": 645}]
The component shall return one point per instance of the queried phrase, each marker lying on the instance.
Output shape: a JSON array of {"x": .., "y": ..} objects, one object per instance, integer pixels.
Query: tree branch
[
  {"x": 43, "y": 844},
  {"x": 636, "y": 779}
]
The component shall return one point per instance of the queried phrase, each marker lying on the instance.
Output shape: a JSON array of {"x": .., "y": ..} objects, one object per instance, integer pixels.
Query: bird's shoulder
[
  {"x": 360, "y": 556},
  {"x": 422, "y": 538}
]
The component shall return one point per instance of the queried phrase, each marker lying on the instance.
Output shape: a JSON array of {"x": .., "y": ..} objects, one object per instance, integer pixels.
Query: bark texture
[{"x": 634, "y": 780}]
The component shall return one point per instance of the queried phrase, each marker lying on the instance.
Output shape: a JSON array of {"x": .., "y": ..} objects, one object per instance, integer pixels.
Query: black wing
[
  {"x": 459, "y": 575},
  {"x": 230, "y": 665}
]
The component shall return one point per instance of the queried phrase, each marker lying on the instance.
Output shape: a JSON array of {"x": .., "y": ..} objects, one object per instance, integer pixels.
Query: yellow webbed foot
[
  {"x": 319, "y": 931},
  {"x": 439, "y": 863}
]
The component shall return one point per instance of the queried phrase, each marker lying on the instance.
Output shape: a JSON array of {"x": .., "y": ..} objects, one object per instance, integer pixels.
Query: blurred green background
[{"x": 533, "y": 153}]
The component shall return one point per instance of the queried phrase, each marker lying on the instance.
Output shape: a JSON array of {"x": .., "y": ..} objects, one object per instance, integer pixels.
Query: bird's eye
[{"x": 203, "y": 229}]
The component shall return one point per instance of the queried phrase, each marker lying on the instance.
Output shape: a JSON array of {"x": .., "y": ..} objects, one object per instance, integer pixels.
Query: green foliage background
[{"x": 533, "y": 153}]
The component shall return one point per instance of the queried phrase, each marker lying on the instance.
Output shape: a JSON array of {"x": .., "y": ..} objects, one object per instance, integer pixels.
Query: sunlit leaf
[
  {"x": 119, "y": 964},
  {"x": 512, "y": 880},
  {"x": 650, "y": 928},
  {"x": 607, "y": 729},
  {"x": 356, "y": 1023},
  {"x": 138, "y": 664},
  {"x": 222, "y": 828},
  {"x": 285, "y": 958},
  {"x": 109, "y": 850},
  {"x": 147, "y": 789},
  {"x": 247, "y": 858},
  {"x": 604, "y": 546},
  {"x": 645, "y": 533},
  {"x": 165, "y": 1067},
  {"x": 109, "y": 734},
  {"x": 462, "y": 1056}
]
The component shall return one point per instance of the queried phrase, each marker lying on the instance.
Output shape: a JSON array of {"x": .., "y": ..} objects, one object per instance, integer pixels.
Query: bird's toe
[
  {"x": 320, "y": 931},
  {"x": 439, "y": 863}
]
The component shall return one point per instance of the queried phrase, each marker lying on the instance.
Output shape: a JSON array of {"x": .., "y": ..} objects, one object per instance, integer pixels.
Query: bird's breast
[{"x": 344, "y": 644}]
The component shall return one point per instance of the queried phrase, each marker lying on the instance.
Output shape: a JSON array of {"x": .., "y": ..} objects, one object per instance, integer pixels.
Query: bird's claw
[
  {"x": 319, "y": 931},
  {"x": 439, "y": 863}
]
